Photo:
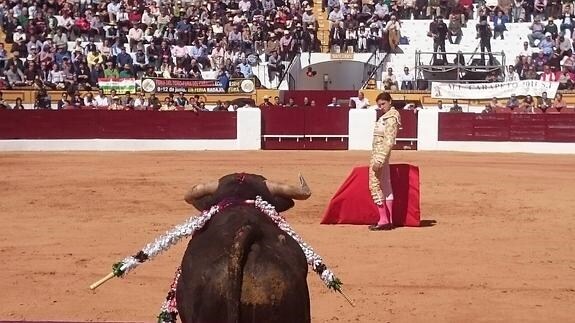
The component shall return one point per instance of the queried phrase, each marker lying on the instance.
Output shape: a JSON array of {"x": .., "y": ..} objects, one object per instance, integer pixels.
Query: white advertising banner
[{"x": 477, "y": 91}]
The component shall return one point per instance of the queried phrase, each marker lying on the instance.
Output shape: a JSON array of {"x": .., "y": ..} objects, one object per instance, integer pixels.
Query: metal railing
[
  {"x": 459, "y": 67},
  {"x": 287, "y": 71},
  {"x": 378, "y": 70}
]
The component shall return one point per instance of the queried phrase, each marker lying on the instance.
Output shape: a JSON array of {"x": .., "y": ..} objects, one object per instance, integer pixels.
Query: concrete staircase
[{"x": 323, "y": 23}]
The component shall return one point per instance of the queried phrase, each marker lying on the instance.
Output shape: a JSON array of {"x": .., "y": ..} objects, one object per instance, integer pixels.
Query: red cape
[{"x": 352, "y": 203}]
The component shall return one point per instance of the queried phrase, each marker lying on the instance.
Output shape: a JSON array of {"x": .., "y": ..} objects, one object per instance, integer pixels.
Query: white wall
[
  {"x": 316, "y": 58},
  {"x": 344, "y": 75},
  {"x": 361, "y": 123},
  {"x": 248, "y": 138},
  {"x": 427, "y": 132},
  {"x": 249, "y": 129}
]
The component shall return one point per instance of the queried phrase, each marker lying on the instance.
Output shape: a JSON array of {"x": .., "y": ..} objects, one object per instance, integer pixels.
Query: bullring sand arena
[{"x": 501, "y": 249}]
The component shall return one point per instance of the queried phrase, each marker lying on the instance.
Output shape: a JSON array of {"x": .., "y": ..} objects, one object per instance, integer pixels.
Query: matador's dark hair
[{"x": 384, "y": 96}]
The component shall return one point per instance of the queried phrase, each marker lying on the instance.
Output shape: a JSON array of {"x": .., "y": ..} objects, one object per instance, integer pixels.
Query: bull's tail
[{"x": 243, "y": 241}]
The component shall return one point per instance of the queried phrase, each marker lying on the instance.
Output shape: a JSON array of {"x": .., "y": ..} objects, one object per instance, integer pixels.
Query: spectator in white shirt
[
  {"x": 335, "y": 16},
  {"x": 406, "y": 80},
  {"x": 527, "y": 52},
  {"x": 244, "y": 5},
  {"x": 334, "y": 103},
  {"x": 359, "y": 102},
  {"x": 135, "y": 35},
  {"x": 101, "y": 100},
  {"x": 114, "y": 9},
  {"x": 511, "y": 75},
  {"x": 140, "y": 103},
  {"x": 19, "y": 35}
]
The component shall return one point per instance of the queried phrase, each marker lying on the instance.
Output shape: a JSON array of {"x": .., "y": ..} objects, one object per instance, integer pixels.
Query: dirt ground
[{"x": 502, "y": 249}]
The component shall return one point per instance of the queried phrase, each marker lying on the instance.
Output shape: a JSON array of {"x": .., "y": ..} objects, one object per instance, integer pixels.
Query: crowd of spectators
[{"x": 130, "y": 39}]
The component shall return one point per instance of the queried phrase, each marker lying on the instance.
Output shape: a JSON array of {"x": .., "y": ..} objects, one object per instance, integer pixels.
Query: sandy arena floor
[{"x": 502, "y": 249}]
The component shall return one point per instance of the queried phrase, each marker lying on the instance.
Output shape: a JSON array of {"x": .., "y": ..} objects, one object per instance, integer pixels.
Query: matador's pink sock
[
  {"x": 383, "y": 214},
  {"x": 389, "y": 207}
]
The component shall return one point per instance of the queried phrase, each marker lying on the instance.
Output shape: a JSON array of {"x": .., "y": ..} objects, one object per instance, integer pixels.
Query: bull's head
[{"x": 247, "y": 186}]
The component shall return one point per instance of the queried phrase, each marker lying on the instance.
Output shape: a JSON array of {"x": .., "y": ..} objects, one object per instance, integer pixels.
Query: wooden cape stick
[
  {"x": 102, "y": 281},
  {"x": 346, "y": 298}
]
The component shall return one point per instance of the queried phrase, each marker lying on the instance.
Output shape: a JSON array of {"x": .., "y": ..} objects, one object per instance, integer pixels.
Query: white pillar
[
  {"x": 427, "y": 129},
  {"x": 361, "y": 123},
  {"x": 249, "y": 129}
]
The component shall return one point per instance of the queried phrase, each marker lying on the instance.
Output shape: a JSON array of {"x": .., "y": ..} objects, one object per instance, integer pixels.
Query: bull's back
[{"x": 273, "y": 279}]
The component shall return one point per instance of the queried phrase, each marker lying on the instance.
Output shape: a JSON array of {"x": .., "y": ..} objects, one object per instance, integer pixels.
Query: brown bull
[{"x": 241, "y": 267}]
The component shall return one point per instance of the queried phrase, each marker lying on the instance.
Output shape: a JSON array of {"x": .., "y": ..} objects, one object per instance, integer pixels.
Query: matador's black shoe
[{"x": 381, "y": 227}]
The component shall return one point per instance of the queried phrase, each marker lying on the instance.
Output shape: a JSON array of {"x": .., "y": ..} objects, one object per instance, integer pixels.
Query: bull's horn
[
  {"x": 200, "y": 190},
  {"x": 297, "y": 193}
]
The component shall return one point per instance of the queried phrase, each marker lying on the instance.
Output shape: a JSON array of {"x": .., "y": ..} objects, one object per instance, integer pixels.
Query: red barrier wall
[
  {"x": 103, "y": 124},
  {"x": 321, "y": 98},
  {"x": 507, "y": 127},
  {"x": 408, "y": 130},
  {"x": 306, "y": 126}
]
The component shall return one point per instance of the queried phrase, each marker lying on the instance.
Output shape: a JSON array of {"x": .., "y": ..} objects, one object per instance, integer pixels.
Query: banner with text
[
  {"x": 476, "y": 91},
  {"x": 120, "y": 85},
  {"x": 161, "y": 85}
]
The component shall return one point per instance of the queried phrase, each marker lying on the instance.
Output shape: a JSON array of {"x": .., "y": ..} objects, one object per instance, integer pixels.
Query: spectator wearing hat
[
  {"x": 308, "y": 18},
  {"x": 335, "y": 16},
  {"x": 547, "y": 45},
  {"x": 111, "y": 31},
  {"x": 310, "y": 42},
  {"x": 115, "y": 104},
  {"x": 266, "y": 103},
  {"x": 375, "y": 37},
  {"x": 537, "y": 32},
  {"x": 287, "y": 45},
  {"x": 362, "y": 37}
]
